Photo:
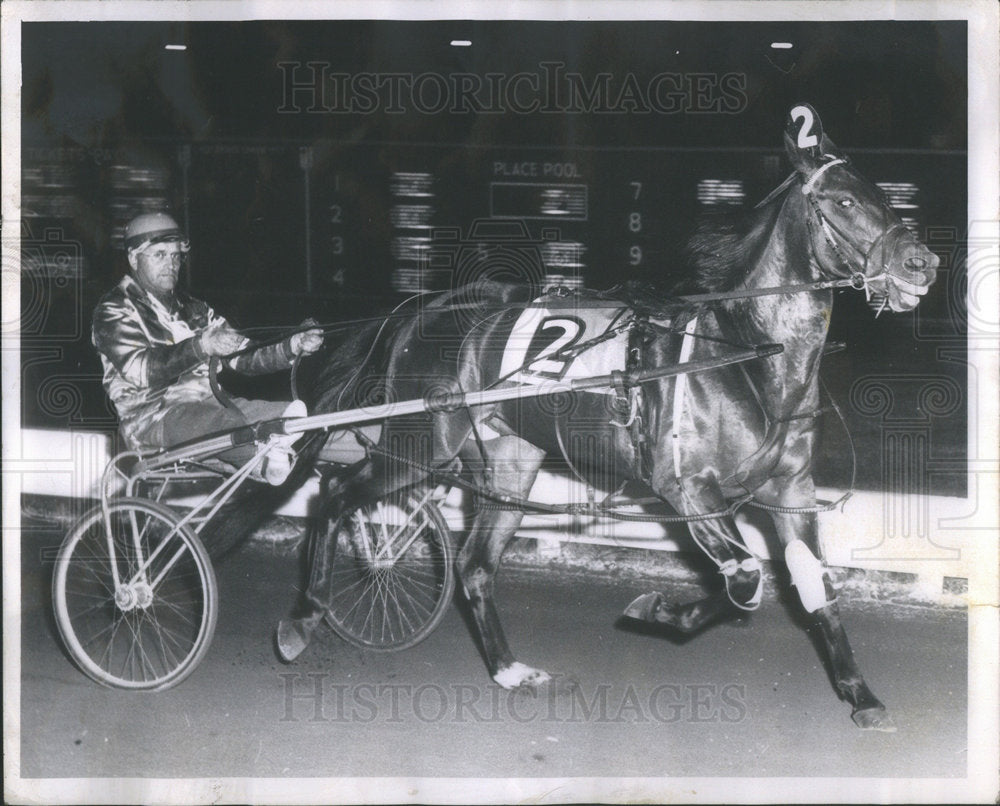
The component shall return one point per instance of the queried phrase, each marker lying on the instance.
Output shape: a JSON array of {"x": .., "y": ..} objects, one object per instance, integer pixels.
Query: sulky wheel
[
  {"x": 135, "y": 596},
  {"x": 392, "y": 572}
]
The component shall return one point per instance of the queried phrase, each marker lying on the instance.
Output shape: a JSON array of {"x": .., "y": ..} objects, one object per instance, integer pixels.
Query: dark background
[{"x": 113, "y": 123}]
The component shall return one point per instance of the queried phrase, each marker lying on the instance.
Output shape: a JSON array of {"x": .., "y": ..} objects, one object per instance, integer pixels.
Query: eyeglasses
[{"x": 164, "y": 256}]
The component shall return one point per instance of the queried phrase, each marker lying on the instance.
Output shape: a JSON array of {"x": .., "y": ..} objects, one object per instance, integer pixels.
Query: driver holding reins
[{"x": 156, "y": 341}]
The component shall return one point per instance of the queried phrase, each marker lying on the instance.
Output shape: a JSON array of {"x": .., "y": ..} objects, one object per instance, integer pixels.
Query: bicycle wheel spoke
[
  {"x": 135, "y": 636},
  {"x": 369, "y": 587},
  {"x": 106, "y": 655},
  {"x": 412, "y": 601},
  {"x": 391, "y": 573},
  {"x": 102, "y": 604},
  {"x": 376, "y": 595},
  {"x": 178, "y": 611},
  {"x": 404, "y": 622},
  {"x": 163, "y": 634},
  {"x": 386, "y": 611},
  {"x": 413, "y": 576},
  {"x": 138, "y": 657},
  {"x": 111, "y": 628}
]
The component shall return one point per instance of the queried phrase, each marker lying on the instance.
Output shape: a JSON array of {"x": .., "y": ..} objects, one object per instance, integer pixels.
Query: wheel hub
[
  {"x": 129, "y": 597},
  {"x": 143, "y": 594}
]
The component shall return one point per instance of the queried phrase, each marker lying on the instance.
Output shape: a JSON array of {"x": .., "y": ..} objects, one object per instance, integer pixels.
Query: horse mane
[{"x": 720, "y": 250}]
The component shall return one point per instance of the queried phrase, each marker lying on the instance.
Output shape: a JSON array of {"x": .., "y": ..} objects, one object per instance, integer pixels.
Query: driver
[{"x": 155, "y": 343}]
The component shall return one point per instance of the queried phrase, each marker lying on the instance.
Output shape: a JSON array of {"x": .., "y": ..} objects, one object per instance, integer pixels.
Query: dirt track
[{"x": 742, "y": 699}]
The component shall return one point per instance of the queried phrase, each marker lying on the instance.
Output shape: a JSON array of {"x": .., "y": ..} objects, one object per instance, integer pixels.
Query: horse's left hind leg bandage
[{"x": 807, "y": 575}]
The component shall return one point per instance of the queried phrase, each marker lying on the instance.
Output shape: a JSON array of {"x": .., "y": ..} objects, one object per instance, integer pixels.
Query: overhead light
[
  {"x": 782, "y": 45},
  {"x": 461, "y": 43},
  {"x": 175, "y": 47}
]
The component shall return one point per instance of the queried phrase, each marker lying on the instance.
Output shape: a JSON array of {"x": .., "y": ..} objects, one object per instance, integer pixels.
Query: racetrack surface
[{"x": 747, "y": 698}]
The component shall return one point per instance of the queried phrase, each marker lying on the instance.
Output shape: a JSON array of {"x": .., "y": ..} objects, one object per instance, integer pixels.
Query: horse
[{"x": 699, "y": 440}]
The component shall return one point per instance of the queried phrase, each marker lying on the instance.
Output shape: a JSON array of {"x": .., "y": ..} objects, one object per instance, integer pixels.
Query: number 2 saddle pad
[{"x": 561, "y": 339}]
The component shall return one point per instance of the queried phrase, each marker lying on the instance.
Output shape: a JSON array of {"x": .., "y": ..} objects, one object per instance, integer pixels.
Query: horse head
[{"x": 855, "y": 231}]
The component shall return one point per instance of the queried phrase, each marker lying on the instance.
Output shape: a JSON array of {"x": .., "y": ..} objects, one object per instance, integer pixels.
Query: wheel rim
[
  {"x": 150, "y": 629},
  {"x": 392, "y": 575}
]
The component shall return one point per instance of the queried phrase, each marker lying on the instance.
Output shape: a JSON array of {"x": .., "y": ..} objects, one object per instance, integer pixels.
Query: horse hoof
[
  {"x": 644, "y": 608},
  {"x": 292, "y": 637},
  {"x": 518, "y": 675},
  {"x": 745, "y": 590},
  {"x": 874, "y": 719}
]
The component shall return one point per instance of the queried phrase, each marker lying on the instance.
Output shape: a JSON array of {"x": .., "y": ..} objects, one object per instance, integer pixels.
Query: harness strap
[
  {"x": 680, "y": 389},
  {"x": 792, "y": 288},
  {"x": 807, "y": 186},
  {"x": 635, "y": 423},
  {"x": 859, "y": 279},
  {"x": 557, "y": 423}
]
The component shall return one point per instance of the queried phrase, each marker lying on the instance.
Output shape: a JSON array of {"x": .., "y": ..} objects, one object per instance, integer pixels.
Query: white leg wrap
[
  {"x": 519, "y": 674},
  {"x": 807, "y": 575}
]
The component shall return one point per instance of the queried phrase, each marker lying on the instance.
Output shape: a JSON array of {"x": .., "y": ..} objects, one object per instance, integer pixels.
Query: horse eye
[{"x": 846, "y": 202}]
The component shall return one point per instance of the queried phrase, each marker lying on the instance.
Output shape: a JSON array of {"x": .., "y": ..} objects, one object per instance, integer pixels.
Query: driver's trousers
[
  {"x": 192, "y": 420},
  {"x": 195, "y": 419}
]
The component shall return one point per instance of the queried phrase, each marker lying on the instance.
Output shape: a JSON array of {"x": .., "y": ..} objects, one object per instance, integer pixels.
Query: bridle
[
  {"x": 854, "y": 262},
  {"x": 857, "y": 269}
]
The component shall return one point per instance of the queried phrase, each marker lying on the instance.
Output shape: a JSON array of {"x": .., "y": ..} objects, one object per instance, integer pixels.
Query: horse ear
[{"x": 805, "y": 140}]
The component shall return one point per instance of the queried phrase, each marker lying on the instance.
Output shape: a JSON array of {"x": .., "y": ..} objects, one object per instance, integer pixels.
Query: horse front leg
[
  {"x": 799, "y": 536},
  {"x": 699, "y": 495},
  {"x": 512, "y": 467}
]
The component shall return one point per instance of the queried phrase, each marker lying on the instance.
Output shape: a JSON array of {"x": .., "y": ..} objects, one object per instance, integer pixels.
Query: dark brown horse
[{"x": 700, "y": 441}]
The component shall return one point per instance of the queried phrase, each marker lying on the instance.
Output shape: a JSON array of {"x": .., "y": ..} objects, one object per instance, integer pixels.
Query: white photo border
[{"x": 984, "y": 170}]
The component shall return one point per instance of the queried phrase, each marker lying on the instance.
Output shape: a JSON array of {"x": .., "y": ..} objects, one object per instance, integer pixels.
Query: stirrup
[
  {"x": 280, "y": 459},
  {"x": 278, "y": 466}
]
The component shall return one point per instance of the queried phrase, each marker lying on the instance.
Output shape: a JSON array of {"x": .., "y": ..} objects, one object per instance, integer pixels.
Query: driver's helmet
[{"x": 151, "y": 228}]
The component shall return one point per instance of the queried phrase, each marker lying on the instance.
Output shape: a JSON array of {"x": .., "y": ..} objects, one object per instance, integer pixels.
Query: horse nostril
[{"x": 915, "y": 263}]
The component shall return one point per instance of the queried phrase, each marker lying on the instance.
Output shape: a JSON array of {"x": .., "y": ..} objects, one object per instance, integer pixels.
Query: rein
[{"x": 857, "y": 281}]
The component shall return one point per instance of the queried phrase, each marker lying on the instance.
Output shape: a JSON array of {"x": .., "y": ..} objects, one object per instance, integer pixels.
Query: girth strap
[
  {"x": 637, "y": 336},
  {"x": 680, "y": 390}
]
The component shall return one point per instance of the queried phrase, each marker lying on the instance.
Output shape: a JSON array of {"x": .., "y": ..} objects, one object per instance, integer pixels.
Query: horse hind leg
[
  {"x": 294, "y": 633},
  {"x": 513, "y": 465},
  {"x": 343, "y": 491}
]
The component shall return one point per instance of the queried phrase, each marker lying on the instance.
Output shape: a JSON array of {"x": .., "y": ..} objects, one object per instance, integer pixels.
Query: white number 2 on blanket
[{"x": 549, "y": 362}]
